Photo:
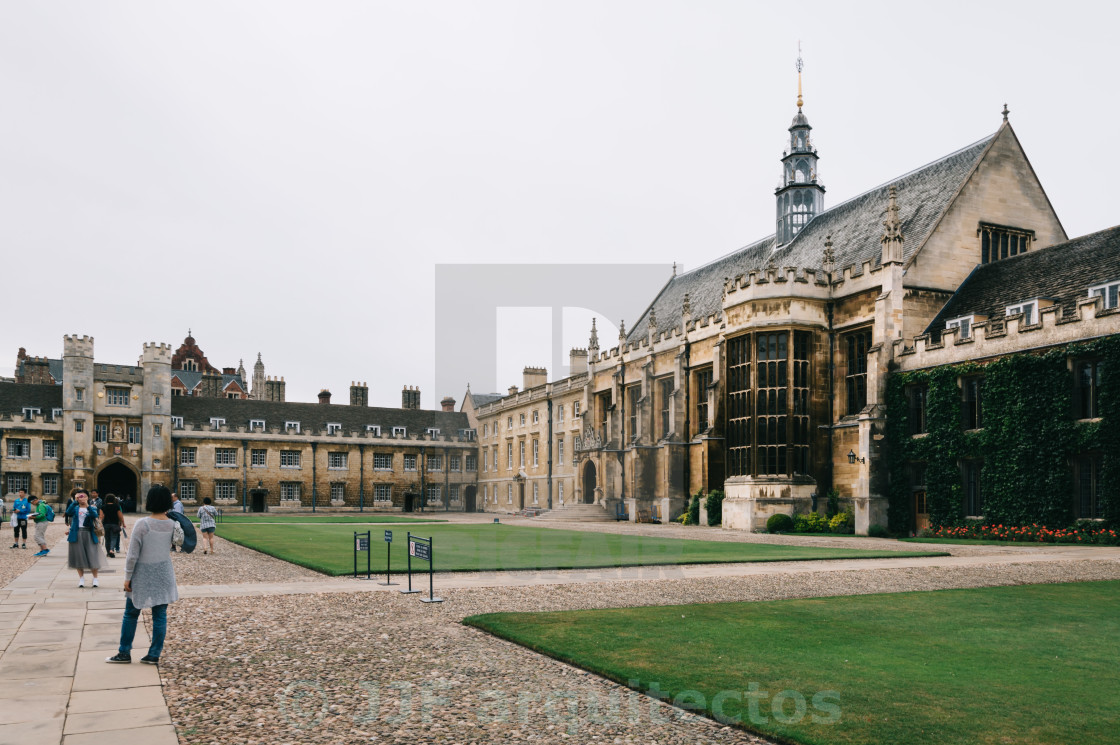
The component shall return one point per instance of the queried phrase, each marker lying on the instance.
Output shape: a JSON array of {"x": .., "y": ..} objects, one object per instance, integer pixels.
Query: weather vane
[{"x": 800, "y": 65}]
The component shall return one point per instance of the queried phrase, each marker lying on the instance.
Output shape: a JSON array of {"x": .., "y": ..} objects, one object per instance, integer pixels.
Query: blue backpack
[
  {"x": 50, "y": 514},
  {"x": 190, "y": 540}
]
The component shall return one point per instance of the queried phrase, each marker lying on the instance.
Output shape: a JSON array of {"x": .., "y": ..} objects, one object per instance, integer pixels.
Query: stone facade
[{"x": 118, "y": 428}]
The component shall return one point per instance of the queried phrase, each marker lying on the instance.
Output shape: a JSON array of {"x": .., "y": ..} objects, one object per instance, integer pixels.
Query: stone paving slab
[
  {"x": 39, "y": 732},
  {"x": 164, "y": 735},
  {"x": 121, "y": 719},
  {"x": 93, "y": 674},
  {"x": 32, "y": 708},
  {"x": 115, "y": 699}
]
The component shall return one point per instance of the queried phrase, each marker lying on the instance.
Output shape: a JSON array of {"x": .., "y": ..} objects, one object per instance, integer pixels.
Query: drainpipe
[
  {"x": 548, "y": 409},
  {"x": 361, "y": 477},
  {"x": 831, "y": 386},
  {"x": 687, "y": 416},
  {"x": 244, "y": 473},
  {"x": 314, "y": 478}
]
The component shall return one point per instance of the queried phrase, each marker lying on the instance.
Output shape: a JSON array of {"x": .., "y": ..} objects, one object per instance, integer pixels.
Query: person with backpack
[
  {"x": 43, "y": 516},
  {"x": 21, "y": 510},
  {"x": 149, "y": 575}
]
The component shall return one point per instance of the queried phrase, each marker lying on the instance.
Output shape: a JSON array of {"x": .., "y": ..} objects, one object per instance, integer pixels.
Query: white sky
[{"x": 284, "y": 177}]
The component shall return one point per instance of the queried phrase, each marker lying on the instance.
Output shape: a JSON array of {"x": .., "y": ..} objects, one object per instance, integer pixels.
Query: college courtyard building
[
  {"x": 871, "y": 348},
  {"x": 175, "y": 420},
  {"x": 766, "y": 373}
]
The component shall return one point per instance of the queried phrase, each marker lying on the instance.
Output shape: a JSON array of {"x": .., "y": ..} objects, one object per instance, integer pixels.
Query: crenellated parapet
[
  {"x": 990, "y": 339},
  {"x": 77, "y": 346},
  {"x": 157, "y": 353}
]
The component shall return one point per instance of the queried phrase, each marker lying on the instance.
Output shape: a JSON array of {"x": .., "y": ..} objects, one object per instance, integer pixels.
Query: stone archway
[
  {"x": 589, "y": 483},
  {"x": 120, "y": 479}
]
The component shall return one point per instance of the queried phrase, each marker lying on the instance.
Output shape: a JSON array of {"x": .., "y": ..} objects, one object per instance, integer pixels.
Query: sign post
[
  {"x": 361, "y": 543},
  {"x": 388, "y": 557},
  {"x": 409, "y": 591},
  {"x": 421, "y": 548}
]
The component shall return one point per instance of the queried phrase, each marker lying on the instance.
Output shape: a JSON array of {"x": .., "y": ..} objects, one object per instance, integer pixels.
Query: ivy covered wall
[{"x": 1026, "y": 444}]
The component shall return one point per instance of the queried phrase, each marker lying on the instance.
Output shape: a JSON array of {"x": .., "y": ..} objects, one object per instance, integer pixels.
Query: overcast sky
[{"x": 285, "y": 177}]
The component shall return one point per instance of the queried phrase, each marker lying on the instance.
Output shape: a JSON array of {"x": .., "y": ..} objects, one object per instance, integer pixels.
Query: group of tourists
[{"x": 149, "y": 575}]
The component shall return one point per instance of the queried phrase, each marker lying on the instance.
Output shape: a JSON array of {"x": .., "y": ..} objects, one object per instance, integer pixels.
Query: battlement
[
  {"x": 154, "y": 352},
  {"x": 1005, "y": 336},
  {"x": 77, "y": 346}
]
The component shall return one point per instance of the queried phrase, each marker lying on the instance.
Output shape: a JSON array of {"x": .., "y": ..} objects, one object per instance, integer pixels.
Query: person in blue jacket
[
  {"x": 22, "y": 510},
  {"x": 84, "y": 554}
]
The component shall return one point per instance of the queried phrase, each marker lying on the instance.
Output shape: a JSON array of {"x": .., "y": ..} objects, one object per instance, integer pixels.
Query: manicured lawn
[
  {"x": 1026, "y": 664},
  {"x": 484, "y": 547},
  {"x": 241, "y": 517}
]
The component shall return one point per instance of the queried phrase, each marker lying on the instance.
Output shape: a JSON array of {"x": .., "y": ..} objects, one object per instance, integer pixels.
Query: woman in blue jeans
[{"x": 149, "y": 577}]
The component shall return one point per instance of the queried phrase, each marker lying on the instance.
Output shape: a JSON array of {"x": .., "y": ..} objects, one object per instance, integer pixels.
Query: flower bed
[{"x": 1035, "y": 533}]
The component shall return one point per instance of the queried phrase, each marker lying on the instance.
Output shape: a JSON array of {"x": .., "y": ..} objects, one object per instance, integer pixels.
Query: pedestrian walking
[
  {"x": 21, "y": 510},
  {"x": 176, "y": 506},
  {"x": 206, "y": 514},
  {"x": 112, "y": 517},
  {"x": 149, "y": 576},
  {"x": 84, "y": 554},
  {"x": 42, "y": 516}
]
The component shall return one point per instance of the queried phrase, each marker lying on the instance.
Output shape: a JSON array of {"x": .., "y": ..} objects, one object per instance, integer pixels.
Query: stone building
[
  {"x": 121, "y": 428},
  {"x": 764, "y": 373}
]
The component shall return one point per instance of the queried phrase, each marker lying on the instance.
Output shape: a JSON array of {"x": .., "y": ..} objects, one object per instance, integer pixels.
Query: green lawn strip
[
  {"x": 266, "y": 518},
  {"x": 1027, "y": 664},
  {"x": 490, "y": 547}
]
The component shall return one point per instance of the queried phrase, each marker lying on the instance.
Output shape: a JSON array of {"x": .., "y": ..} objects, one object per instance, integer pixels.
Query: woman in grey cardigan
[{"x": 149, "y": 577}]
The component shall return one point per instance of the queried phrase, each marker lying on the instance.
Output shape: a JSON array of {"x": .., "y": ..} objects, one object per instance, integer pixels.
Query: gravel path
[
  {"x": 385, "y": 668},
  {"x": 234, "y": 564}
]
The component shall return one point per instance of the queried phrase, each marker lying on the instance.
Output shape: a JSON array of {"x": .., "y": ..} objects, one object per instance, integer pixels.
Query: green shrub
[
  {"x": 814, "y": 522},
  {"x": 842, "y": 522},
  {"x": 833, "y": 504},
  {"x": 714, "y": 505},
  {"x": 683, "y": 518},
  {"x": 779, "y": 524},
  {"x": 694, "y": 510},
  {"x": 878, "y": 531}
]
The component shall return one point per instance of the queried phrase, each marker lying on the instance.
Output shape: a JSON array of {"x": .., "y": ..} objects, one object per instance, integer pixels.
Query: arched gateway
[
  {"x": 119, "y": 479},
  {"x": 589, "y": 483}
]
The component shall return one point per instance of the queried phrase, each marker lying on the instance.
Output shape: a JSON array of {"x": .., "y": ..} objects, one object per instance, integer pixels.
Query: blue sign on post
[
  {"x": 421, "y": 548},
  {"x": 388, "y": 558}
]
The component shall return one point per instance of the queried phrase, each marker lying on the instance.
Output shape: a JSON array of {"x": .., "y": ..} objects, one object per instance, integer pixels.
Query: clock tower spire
[{"x": 800, "y": 194}]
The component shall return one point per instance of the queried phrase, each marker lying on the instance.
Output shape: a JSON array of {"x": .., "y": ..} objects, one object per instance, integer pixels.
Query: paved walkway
[
  {"x": 54, "y": 637},
  {"x": 55, "y": 686}
]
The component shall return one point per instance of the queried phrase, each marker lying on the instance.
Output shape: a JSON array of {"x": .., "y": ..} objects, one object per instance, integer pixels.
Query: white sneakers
[
  {"x": 95, "y": 582},
  {"x": 81, "y": 581}
]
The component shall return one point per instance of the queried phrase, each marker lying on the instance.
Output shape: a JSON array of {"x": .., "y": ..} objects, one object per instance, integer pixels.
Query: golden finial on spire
[{"x": 800, "y": 65}]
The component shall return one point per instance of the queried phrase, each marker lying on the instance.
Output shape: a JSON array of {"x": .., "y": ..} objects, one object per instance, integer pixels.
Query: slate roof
[
  {"x": 855, "y": 226},
  {"x": 14, "y": 396},
  {"x": 1062, "y": 272},
  {"x": 191, "y": 378},
  {"x": 481, "y": 399},
  {"x": 314, "y": 416}
]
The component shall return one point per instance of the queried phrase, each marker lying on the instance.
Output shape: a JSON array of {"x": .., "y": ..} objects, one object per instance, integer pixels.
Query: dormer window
[
  {"x": 55, "y": 414},
  {"x": 374, "y": 429},
  {"x": 1109, "y": 292},
  {"x": 1029, "y": 310},
  {"x": 30, "y": 412},
  {"x": 467, "y": 434},
  {"x": 964, "y": 326},
  {"x": 399, "y": 431},
  {"x": 177, "y": 422},
  {"x": 333, "y": 428},
  {"x": 256, "y": 424},
  {"x": 433, "y": 432},
  {"x": 292, "y": 427},
  {"x": 216, "y": 422}
]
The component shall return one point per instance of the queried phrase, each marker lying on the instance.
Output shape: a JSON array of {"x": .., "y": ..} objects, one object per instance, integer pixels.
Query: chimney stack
[
  {"x": 577, "y": 361},
  {"x": 447, "y": 404},
  {"x": 410, "y": 397},
  {"x": 324, "y": 397},
  {"x": 274, "y": 389},
  {"x": 531, "y": 377},
  {"x": 513, "y": 390},
  {"x": 359, "y": 394}
]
